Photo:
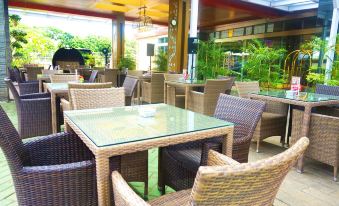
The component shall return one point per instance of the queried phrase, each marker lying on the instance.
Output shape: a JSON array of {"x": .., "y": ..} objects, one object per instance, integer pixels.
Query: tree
[{"x": 18, "y": 37}]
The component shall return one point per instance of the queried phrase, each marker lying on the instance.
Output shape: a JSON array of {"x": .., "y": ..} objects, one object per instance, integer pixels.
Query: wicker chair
[
  {"x": 153, "y": 92},
  {"x": 110, "y": 75},
  {"x": 224, "y": 182},
  {"x": 34, "y": 113},
  {"x": 205, "y": 102},
  {"x": 32, "y": 73},
  {"x": 323, "y": 135},
  {"x": 93, "y": 76},
  {"x": 129, "y": 85},
  {"x": 51, "y": 72},
  {"x": 179, "y": 164},
  {"x": 175, "y": 95},
  {"x": 51, "y": 170},
  {"x": 67, "y": 104},
  {"x": 273, "y": 121},
  {"x": 133, "y": 166},
  {"x": 230, "y": 83},
  {"x": 25, "y": 87},
  {"x": 64, "y": 78}
]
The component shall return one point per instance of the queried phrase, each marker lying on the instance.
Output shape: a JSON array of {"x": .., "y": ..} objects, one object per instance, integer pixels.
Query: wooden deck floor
[{"x": 314, "y": 187}]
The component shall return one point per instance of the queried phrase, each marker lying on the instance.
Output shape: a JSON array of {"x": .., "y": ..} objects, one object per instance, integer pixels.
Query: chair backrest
[
  {"x": 254, "y": 183},
  {"x": 32, "y": 72},
  {"x": 17, "y": 75},
  {"x": 244, "y": 113},
  {"x": 328, "y": 90},
  {"x": 111, "y": 75},
  {"x": 11, "y": 144},
  {"x": 135, "y": 72},
  {"x": 173, "y": 77},
  {"x": 93, "y": 76},
  {"x": 11, "y": 74},
  {"x": 157, "y": 79},
  {"x": 64, "y": 78},
  {"x": 230, "y": 83},
  {"x": 50, "y": 72},
  {"x": 129, "y": 85},
  {"x": 13, "y": 90},
  {"x": 243, "y": 88},
  {"x": 97, "y": 98}
]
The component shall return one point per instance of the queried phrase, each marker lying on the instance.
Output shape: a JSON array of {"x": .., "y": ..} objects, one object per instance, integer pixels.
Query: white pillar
[
  {"x": 193, "y": 33},
  {"x": 332, "y": 40}
]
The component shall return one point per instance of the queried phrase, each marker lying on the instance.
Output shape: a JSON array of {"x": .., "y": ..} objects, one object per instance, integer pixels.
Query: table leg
[
  {"x": 287, "y": 126},
  {"x": 102, "y": 169},
  {"x": 227, "y": 147},
  {"x": 304, "y": 133},
  {"x": 54, "y": 113},
  {"x": 40, "y": 86}
]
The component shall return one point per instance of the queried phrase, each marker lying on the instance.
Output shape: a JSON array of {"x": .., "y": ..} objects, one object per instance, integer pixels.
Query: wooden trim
[
  {"x": 274, "y": 34},
  {"x": 261, "y": 21}
]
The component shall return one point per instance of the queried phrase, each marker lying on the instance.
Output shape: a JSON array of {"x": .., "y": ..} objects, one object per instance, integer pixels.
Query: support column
[
  {"x": 178, "y": 24},
  {"x": 193, "y": 33},
  {"x": 332, "y": 40},
  {"x": 5, "y": 51},
  {"x": 118, "y": 40}
]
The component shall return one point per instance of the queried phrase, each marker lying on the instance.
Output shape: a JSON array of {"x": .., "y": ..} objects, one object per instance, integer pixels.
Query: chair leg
[
  {"x": 258, "y": 145},
  {"x": 335, "y": 173},
  {"x": 146, "y": 190},
  {"x": 161, "y": 185}
]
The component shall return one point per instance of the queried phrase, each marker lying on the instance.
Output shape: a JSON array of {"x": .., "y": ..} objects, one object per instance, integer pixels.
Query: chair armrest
[
  {"x": 196, "y": 101},
  {"x": 60, "y": 148},
  {"x": 123, "y": 194},
  {"x": 217, "y": 159},
  {"x": 66, "y": 105},
  {"x": 35, "y": 96}
]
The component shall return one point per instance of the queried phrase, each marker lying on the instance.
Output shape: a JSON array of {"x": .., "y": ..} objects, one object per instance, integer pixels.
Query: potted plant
[
  {"x": 161, "y": 60},
  {"x": 127, "y": 63}
]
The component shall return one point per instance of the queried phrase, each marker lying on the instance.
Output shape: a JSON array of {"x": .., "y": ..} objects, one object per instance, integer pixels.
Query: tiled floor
[{"x": 315, "y": 187}]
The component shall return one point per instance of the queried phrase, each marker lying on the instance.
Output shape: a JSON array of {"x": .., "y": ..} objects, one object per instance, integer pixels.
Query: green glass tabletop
[
  {"x": 303, "y": 96},
  {"x": 113, "y": 126},
  {"x": 57, "y": 86},
  {"x": 182, "y": 81}
]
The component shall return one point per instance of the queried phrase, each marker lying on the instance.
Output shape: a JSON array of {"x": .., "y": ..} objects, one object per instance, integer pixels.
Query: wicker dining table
[
  {"x": 187, "y": 84},
  {"x": 57, "y": 90},
  {"x": 140, "y": 78},
  {"x": 106, "y": 133},
  {"x": 305, "y": 100}
]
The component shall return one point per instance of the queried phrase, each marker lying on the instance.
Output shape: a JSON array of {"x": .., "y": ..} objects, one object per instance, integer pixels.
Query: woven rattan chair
[
  {"x": 230, "y": 83},
  {"x": 64, "y": 78},
  {"x": 179, "y": 164},
  {"x": 93, "y": 76},
  {"x": 224, "y": 182},
  {"x": 273, "y": 121},
  {"x": 25, "y": 87},
  {"x": 66, "y": 103},
  {"x": 51, "y": 72},
  {"x": 134, "y": 167},
  {"x": 205, "y": 102},
  {"x": 32, "y": 73},
  {"x": 153, "y": 92},
  {"x": 175, "y": 95},
  {"x": 110, "y": 75},
  {"x": 129, "y": 85},
  {"x": 51, "y": 170},
  {"x": 34, "y": 112},
  {"x": 323, "y": 135}
]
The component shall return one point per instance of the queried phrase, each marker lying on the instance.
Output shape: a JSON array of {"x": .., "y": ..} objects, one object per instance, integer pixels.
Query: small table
[
  {"x": 140, "y": 80},
  {"x": 116, "y": 131},
  {"x": 304, "y": 99},
  {"x": 188, "y": 84},
  {"x": 56, "y": 90}
]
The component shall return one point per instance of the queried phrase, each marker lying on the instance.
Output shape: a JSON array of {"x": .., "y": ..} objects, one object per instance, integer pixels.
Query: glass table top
[
  {"x": 190, "y": 81},
  {"x": 57, "y": 86},
  {"x": 113, "y": 126},
  {"x": 303, "y": 96}
]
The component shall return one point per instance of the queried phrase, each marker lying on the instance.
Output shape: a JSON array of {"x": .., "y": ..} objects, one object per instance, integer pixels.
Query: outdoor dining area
[{"x": 95, "y": 136}]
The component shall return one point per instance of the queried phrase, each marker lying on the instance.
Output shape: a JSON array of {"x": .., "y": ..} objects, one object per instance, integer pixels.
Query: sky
[{"x": 74, "y": 24}]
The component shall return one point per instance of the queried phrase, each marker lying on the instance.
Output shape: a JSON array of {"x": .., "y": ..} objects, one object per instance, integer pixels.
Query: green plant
[
  {"x": 126, "y": 63},
  {"x": 161, "y": 60},
  {"x": 18, "y": 37},
  {"x": 263, "y": 63},
  {"x": 210, "y": 60}
]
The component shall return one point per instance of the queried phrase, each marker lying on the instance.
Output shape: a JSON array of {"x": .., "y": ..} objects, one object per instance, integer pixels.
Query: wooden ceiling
[{"x": 211, "y": 12}]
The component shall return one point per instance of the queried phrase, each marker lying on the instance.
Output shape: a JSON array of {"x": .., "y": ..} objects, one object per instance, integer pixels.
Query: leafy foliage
[
  {"x": 18, "y": 37},
  {"x": 161, "y": 60},
  {"x": 127, "y": 63},
  {"x": 210, "y": 60},
  {"x": 263, "y": 63}
]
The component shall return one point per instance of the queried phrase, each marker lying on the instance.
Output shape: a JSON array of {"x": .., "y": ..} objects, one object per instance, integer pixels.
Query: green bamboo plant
[{"x": 160, "y": 61}]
